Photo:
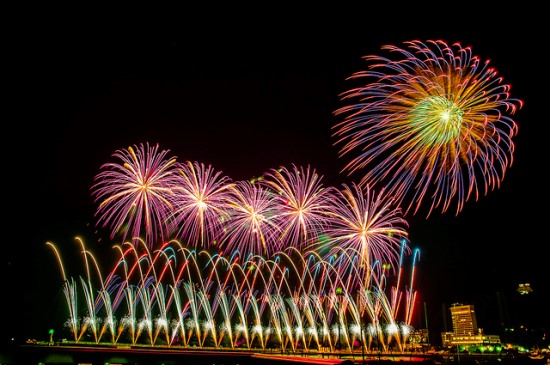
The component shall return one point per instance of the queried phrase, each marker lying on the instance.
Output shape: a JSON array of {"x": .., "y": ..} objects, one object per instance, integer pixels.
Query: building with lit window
[
  {"x": 465, "y": 329},
  {"x": 464, "y": 320}
]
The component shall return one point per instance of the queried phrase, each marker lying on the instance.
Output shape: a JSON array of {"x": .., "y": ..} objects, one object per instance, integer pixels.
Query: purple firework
[
  {"x": 251, "y": 228},
  {"x": 135, "y": 193},
  {"x": 304, "y": 203},
  {"x": 366, "y": 224},
  {"x": 200, "y": 204}
]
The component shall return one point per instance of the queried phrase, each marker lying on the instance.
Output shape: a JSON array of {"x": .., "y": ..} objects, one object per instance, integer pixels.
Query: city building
[
  {"x": 464, "y": 320},
  {"x": 465, "y": 329},
  {"x": 418, "y": 340}
]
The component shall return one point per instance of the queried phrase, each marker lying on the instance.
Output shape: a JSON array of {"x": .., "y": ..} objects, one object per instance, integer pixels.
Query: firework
[
  {"x": 303, "y": 203},
  {"x": 134, "y": 194},
  {"x": 366, "y": 225},
  {"x": 199, "y": 204},
  {"x": 251, "y": 227},
  {"x": 176, "y": 295},
  {"x": 433, "y": 124}
]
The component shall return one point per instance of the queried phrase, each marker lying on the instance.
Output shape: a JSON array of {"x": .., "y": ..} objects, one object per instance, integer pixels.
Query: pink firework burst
[
  {"x": 304, "y": 203},
  {"x": 200, "y": 204},
  {"x": 135, "y": 194},
  {"x": 365, "y": 224},
  {"x": 251, "y": 228}
]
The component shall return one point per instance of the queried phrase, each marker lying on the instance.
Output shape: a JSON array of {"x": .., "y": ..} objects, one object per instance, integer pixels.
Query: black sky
[{"x": 246, "y": 94}]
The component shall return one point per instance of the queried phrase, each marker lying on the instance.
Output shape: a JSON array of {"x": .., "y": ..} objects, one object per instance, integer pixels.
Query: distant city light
[{"x": 524, "y": 289}]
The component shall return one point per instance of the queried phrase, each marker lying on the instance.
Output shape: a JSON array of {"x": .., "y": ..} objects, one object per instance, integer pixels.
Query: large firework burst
[
  {"x": 251, "y": 228},
  {"x": 364, "y": 224},
  {"x": 134, "y": 194},
  {"x": 199, "y": 206},
  {"x": 432, "y": 124},
  {"x": 304, "y": 203}
]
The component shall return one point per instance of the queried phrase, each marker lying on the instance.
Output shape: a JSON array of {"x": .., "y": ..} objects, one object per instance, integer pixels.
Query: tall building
[
  {"x": 465, "y": 330},
  {"x": 464, "y": 320}
]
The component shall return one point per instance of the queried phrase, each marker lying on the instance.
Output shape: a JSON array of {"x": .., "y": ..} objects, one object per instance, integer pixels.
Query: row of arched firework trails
[{"x": 294, "y": 301}]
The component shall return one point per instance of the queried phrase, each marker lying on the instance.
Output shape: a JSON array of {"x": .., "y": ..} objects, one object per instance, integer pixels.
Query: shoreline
[{"x": 125, "y": 354}]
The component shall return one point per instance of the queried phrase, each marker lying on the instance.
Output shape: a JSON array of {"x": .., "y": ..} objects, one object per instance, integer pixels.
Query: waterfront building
[
  {"x": 465, "y": 329},
  {"x": 464, "y": 320}
]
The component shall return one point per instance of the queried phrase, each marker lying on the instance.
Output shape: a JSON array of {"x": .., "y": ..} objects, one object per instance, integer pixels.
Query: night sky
[{"x": 246, "y": 94}]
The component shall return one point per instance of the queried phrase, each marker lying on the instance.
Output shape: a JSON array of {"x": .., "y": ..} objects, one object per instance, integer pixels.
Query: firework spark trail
[
  {"x": 196, "y": 288},
  {"x": 432, "y": 125}
]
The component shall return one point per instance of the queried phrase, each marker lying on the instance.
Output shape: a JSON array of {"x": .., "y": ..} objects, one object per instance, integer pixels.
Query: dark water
[{"x": 53, "y": 355}]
